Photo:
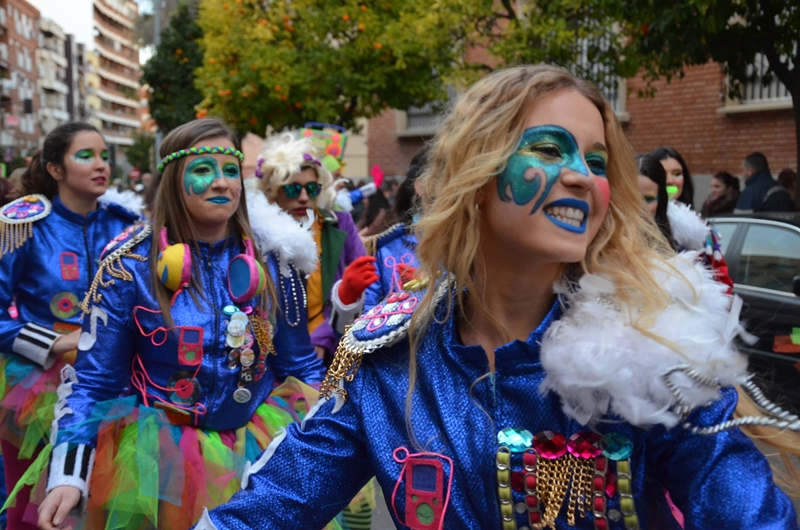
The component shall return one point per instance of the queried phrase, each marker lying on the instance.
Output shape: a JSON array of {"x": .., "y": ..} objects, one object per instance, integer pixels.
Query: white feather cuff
[
  {"x": 689, "y": 230},
  {"x": 599, "y": 364},
  {"x": 277, "y": 232}
]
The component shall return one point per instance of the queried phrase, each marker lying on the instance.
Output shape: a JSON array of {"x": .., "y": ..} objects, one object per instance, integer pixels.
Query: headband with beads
[
  {"x": 307, "y": 157},
  {"x": 200, "y": 151}
]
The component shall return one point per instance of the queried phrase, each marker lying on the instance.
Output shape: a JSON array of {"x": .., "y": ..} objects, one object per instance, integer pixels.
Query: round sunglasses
[{"x": 293, "y": 190}]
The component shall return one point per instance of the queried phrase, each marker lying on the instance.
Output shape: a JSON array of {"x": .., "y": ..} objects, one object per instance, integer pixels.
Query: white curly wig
[{"x": 283, "y": 158}]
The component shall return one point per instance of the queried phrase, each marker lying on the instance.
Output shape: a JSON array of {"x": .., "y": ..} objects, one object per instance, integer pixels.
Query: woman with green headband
[{"x": 188, "y": 324}]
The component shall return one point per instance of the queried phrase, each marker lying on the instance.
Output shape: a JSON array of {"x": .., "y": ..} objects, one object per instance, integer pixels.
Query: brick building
[
  {"x": 19, "y": 102},
  {"x": 693, "y": 115}
]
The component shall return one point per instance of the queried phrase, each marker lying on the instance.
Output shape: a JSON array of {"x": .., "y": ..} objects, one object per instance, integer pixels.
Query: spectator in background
[
  {"x": 677, "y": 174},
  {"x": 16, "y": 190},
  {"x": 787, "y": 179},
  {"x": 291, "y": 176},
  {"x": 723, "y": 197},
  {"x": 376, "y": 211},
  {"x": 761, "y": 192}
]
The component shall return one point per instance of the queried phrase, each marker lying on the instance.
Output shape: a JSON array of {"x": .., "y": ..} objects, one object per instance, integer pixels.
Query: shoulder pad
[
  {"x": 374, "y": 243},
  {"x": 387, "y": 323},
  {"x": 122, "y": 212},
  {"x": 126, "y": 240},
  {"x": 26, "y": 209}
]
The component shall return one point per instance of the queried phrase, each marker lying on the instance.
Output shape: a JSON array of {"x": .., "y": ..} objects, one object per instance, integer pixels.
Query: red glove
[
  {"x": 406, "y": 272},
  {"x": 359, "y": 275}
]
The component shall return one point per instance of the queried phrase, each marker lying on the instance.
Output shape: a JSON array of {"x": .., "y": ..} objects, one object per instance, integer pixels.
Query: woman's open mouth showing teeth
[{"x": 569, "y": 214}]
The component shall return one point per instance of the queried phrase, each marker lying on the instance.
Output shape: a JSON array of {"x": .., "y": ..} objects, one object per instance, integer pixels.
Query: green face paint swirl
[
  {"x": 86, "y": 156},
  {"x": 542, "y": 153},
  {"x": 201, "y": 172}
]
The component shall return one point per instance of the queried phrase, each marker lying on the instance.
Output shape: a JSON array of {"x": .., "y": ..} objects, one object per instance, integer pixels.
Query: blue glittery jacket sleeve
[
  {"x": 721, "y": 480},
  {"x": 306, "y": 477},
  {"x": 295, "y": 355},
  {"x": 11, "y": 267},
  {"x": 102, "y": 370}
]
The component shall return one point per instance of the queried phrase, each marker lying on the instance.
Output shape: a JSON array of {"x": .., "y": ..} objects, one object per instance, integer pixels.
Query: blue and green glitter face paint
[
  {"x": 543, "y": 152},
  {"x": 201, "y": 172},
  {"x": 86, "y": 156}
]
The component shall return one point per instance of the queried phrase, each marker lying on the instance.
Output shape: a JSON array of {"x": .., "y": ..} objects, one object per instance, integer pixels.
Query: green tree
[
  {"x": 170, "y": 71},
  {"x": 580, "y": 35},
  {"x": 283, "y": 63},
  {"x": 140, "y": 154},
  {"x": 666, "y": 36}
]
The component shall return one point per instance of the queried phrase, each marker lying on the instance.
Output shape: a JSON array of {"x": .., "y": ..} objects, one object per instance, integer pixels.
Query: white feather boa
[
  {"x": 599, "y": 364},
  {"x": 689, "y": 230},
  {"x": 277, "y": 232},
  {"x": 126, "y": 198}
]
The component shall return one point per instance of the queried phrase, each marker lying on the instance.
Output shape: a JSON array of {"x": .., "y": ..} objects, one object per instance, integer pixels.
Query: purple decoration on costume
[
  {"x": 24, "y": 209},
  {"x": 259, "y": 173}
]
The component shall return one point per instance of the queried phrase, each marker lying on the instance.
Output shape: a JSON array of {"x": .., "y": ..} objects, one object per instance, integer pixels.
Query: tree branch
[{"x": 769, "y": 49}]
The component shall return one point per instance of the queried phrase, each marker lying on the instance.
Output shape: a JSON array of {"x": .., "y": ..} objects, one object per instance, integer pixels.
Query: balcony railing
[
  {"x": 427, "y": 118},
  {"x": 757, "y": 92}
]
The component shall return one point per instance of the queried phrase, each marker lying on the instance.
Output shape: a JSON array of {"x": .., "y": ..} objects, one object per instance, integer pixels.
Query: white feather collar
[
  {"x": 277, "y": 232},
  {"x": 126, "y": 198},
  {"x": 689, "y": 230},
  {"x": 599, "y": 364}
]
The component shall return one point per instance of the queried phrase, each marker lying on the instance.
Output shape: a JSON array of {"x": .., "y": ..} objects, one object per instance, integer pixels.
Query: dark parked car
[{"x": 763, "y": 255}]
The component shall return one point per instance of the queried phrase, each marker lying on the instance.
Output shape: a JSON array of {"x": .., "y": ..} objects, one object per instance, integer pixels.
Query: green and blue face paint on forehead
[
  {"x": 86, "y": 156},
  {"x": 202, "y": 171},
  {"x": 544, "y": 151}
]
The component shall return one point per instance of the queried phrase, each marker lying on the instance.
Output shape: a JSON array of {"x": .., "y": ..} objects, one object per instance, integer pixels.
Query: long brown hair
[{"x": 169, "y": 210}]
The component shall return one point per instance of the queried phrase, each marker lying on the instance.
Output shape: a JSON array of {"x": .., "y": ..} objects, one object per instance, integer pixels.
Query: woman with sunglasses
[{"x": 293, "y": 177}]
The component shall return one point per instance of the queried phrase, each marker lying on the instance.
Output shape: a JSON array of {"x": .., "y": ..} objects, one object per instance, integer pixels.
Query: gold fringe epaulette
[
  {"x": 358, "y": 340},
  {"x": 17, "y": 218},
  {"x": 112, "y": 264}
]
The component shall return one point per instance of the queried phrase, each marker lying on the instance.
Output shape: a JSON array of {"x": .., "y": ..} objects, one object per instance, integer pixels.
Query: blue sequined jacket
[
  {"x": 48, "y": 275},
  {"x": 466, "y": 421},
  {"x": 124, "y": 344}
]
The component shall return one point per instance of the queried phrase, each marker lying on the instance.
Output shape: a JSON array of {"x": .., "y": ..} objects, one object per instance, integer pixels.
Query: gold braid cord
[
  {"x": 13, "y": 236},
  {"x": 345, "y": 365},
  {"x": 113, "y": 266},
  {"x": 261, "y": 329}
]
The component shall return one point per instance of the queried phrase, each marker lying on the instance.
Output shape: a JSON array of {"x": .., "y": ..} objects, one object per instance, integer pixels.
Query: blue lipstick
[
  {"x": 219, "y": 199},
  {"x": 569, "y": 203}
]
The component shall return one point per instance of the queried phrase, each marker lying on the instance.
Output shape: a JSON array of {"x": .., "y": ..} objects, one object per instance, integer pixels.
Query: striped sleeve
[
  {"x": 71, "y": 465},
  {"x": 34, "y": 342}
]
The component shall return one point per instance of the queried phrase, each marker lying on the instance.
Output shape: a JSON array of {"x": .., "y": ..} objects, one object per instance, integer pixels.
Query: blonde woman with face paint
[
  {"x": 51, "y": 241},
  {"x": 548, "y": 368},
  {"x": 184, "y": 322}
]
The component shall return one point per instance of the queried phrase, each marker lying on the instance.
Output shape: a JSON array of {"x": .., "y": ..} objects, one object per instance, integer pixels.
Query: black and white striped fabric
[
  {"x": 34, "y": 342},
  {"x": 71, "y": 465}
]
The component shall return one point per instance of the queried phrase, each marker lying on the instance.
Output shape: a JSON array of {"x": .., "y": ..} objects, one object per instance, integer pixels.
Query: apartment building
[
  {"x": 117, "y": 69},
  {"x": 52, "y": 63},
  {"x": 19, "y": 93},
  {"x": 77, "y": 70}
]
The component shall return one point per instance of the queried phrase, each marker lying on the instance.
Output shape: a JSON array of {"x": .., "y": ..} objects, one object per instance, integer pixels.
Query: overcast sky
[{"x": 74, "y": 16}]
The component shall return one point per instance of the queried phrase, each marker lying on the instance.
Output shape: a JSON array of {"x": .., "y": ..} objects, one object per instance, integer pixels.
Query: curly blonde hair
[{"x": 284, "y": 157}]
